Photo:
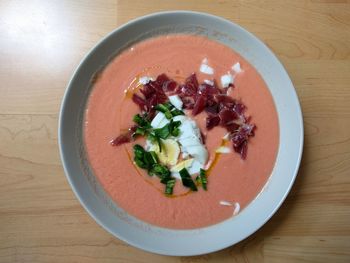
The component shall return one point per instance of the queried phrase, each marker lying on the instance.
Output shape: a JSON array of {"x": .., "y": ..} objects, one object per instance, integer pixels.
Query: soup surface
[{"x": 232, "y": 182}]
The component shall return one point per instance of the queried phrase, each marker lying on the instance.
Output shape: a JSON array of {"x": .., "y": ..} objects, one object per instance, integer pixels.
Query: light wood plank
[
  {"x": 307, "y": 249},
  {"x": 42, "y": 42}
]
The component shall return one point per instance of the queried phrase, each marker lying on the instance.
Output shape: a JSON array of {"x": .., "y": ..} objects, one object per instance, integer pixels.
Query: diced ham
[
  {"x": 199, "y": 105},
  {"x": 221, "y": 108},
  {"x": 161, "y": 79},
  {"x": 227, "y": 116},
  {"x": 121, "y": 139},
  {"x": 191, "y": 86},
  {"x": 212, "y": 121},
  {"x": 124, "y": 138},
  {"x": 139, "y": 101},
  {"x": 169, "y": 85}
]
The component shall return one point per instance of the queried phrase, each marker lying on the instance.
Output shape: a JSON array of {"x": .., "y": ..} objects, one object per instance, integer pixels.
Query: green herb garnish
[
  {"x": 187, "y": 180},
  {"x": 143, "y": 125},
  {"x": 202, "y": 179},
  {"x": 154, "y": 156},
  {"x": 172, "y": 128},
  {"x": 139, "y": 131},
  {"x": 139, "y": 151},
  {"x": 155, "y": 140},
  {"x": 139, "y": 154},
  {"x": 163, "y": 132},
  {"x": 170, "y": 186},
  {"x": 176, "y": 112},
  {"x": 169, "y": 110},
  {"x": 160, "y": 171},
  {"x": 140, "y": 163},
  {"x": 165, "y": 109},
  {"x": 149, "y": 161},
  {"x": 142, "y": 121}
]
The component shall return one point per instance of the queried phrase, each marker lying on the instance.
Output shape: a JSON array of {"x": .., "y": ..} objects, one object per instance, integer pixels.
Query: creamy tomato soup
[{"x": 233, "y": 182}]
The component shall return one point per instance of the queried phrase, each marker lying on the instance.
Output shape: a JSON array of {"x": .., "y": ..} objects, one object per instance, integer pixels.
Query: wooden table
[{"x": 41, "y": 42}]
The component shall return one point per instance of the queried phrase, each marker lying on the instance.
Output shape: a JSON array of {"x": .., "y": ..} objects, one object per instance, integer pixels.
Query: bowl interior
[{"x": 134, "y": 231}]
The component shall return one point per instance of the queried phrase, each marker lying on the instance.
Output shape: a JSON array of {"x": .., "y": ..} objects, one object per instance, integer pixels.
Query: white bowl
[{"x": 168, "y": 241}]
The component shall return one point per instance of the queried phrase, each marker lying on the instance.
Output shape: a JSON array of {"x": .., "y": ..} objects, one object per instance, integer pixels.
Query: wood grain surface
[{"x": 41, "y": 42}]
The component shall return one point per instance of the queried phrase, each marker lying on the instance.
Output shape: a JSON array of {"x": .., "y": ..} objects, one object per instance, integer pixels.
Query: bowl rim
[{"x": 63, "y": 154}]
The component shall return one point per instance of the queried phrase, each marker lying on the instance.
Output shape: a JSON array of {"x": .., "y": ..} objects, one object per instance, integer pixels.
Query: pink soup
[{"x": 231, "y": 179}]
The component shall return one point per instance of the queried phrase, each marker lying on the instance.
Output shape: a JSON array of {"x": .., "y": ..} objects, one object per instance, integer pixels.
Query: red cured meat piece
[
  {"x": 212, "y": 121},
  {"x": 199, "y": 105},
  {"x": 139, "y": 101},
  {"x": 227, "y": 116}
]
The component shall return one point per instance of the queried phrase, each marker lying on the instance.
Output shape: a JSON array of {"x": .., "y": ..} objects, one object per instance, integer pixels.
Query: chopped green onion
[
  {"x": 154, "y": 139},
  {"x": 174, "y": 128},
  {"x": 143, "y": 125},
  {"x": 170, "y": 186},
  {"x": 163, "y": 132},
  {"x": 187, "y": 180},
  {"x": 176, "y": 112},
  {"x": 139, "y": 154},
  {"x": 139, "y": 131},
  {"x": 160, "y": 170},
  {"x": 138, "y": 151},
  {"x": 168, "y": 115},
  {"x": 165, "y": 179},
  {"x": 175, "y": 132},
  {"x": 203, "y": 179},
  {"x": 137, "y": 119},
  {"x": 148, "y": 159},
  {"x": 141, "y": 121},
  {"x": 163, "y": 108},
  {"x": 151, "y": 136},
  {"x": 169, "y": 110},
  {"x": 154, "y": 156},
  {"x": 140, "y": 163},
  {"x": 159, "y": 144}
]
